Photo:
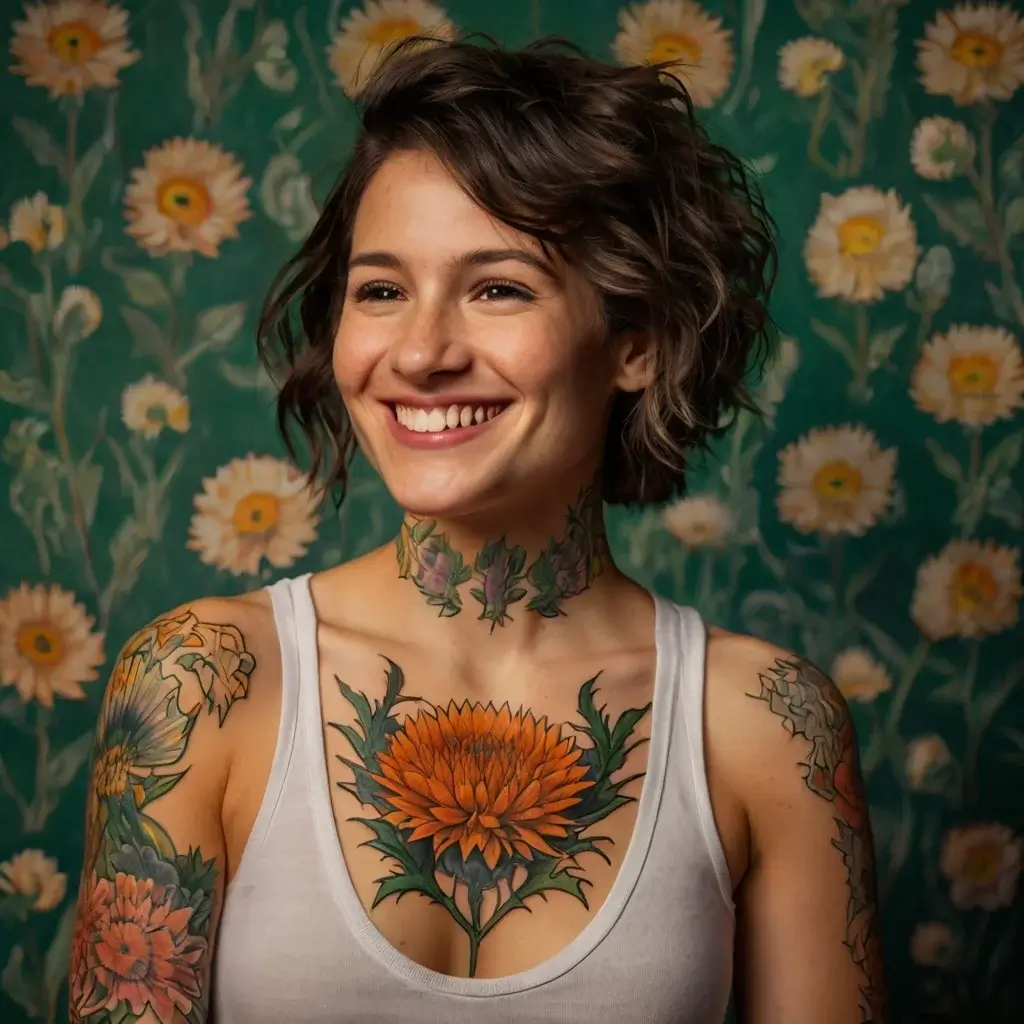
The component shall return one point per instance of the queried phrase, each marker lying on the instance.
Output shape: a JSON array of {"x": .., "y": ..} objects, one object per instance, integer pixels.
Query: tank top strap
[
  {"x": 282, "y": 605},
  {"x": 692, "y": 637}
]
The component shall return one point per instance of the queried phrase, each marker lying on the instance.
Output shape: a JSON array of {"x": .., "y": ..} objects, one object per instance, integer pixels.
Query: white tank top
[{"x": 295, "y": 945}]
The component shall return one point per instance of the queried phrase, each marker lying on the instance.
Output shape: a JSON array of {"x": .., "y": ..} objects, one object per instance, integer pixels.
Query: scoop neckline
[{"x": 597, "y": 928}]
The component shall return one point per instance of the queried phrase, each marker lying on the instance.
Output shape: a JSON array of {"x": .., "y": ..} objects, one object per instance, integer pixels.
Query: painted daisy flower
[
  {"x": 926, "y": 755},
  {"x": 47, "y": 644},
  {"x": 150, "y": 405},
  {"x": 940, "y": 148},
  {"x": 982, "y": 863},
  {"x": 31, "y": 873},
  {"x": 862, "y": 245},
  {"x": 973, "y": 53},
  {"x": 805, "y": 64},
  {"x": 37, "y": 223},
  {"x": 971, "y": 375},
  {"x": 189, "y": 196},
  {"x": 365, "y": 36},
  {"x": 835, "y": 480},
  {"x": 72, "y": 45},
  {"x": 933, "y": 944},
  {"x": 969, "y": 589},
  {"x": 859, "y": 676},
  {"x": 255, "y": 508},
  {"x": 678, "y": 30},
  {"x": 702, "y": 520}
]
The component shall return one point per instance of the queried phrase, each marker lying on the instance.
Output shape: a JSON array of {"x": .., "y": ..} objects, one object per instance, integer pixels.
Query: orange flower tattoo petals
[
  {"x": 483, "y": 779},
  {"x": 133, "y": 948}
]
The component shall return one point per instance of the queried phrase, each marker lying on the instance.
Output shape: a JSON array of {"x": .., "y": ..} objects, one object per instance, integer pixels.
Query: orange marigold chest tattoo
[{"x": 475, "y": 793}]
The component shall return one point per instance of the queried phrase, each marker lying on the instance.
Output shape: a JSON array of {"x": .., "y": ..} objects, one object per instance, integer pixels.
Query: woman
[{"x": 478, "y": 773}]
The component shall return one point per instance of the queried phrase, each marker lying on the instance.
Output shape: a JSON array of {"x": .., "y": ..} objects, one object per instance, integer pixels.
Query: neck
[{"x": 458, "y": 569}]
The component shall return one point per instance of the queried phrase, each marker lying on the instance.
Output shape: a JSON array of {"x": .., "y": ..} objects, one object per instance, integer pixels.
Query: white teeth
[{"x": 433, "y": 421}]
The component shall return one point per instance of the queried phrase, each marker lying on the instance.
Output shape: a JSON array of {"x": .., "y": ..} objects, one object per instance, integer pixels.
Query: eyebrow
[{"x": 474, "y": 258}]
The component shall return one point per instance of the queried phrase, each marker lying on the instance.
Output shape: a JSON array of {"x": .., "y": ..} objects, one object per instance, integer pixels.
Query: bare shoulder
[{"x": 768, "y": 709}]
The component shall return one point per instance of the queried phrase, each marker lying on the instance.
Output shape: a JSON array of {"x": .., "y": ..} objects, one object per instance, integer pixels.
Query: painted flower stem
[
  {"x": 890, "y": 733},
  {"x": 975, "y": 727},
  {"x": 859, "y": 386},
  {"x": 983, "y": 183}
]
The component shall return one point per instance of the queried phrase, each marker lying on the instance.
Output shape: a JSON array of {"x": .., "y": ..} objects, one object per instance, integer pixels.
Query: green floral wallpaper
[{"x": 164, "y": 158}]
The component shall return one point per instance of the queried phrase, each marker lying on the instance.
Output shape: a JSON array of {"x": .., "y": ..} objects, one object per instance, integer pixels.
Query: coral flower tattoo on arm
[
  {"x": 812, "y": 709},
  {"x": 499, "y": 573},
  {"x": 142, "y": 931},
  {"x": 489, "y": 799}
]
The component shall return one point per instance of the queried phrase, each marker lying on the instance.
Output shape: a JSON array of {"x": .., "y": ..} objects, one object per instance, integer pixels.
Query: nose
[{"x": 429, "y": 346}]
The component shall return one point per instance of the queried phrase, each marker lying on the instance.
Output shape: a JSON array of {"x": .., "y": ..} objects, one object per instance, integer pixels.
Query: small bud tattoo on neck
[{"x": 499, "y": 573}]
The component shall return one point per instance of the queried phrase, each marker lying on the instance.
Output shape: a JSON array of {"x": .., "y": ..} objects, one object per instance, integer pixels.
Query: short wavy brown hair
[{"x": 607, "y": 167}]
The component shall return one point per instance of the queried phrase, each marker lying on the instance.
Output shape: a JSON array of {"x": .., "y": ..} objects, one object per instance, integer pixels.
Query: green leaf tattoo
[
  {"x": 811, "y": 708},
  {"x": 474, "y": 793},
  {"x": 144, "y": 908},
  {"x": 565, "y": 567}
]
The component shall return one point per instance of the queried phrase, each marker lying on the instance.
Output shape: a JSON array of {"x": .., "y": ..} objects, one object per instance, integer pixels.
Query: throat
[{"x": 497, "y": 578}]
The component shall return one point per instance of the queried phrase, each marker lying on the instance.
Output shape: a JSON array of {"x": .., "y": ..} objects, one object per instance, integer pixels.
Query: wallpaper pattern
[{"x": 164, "y": 159}]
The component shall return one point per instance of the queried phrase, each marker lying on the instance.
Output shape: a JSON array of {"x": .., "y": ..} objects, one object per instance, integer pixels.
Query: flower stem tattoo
[
  {"x": 811, "y": 707},
  {"x": 144, "y": 908},
  {"x": 473, "y": 793},
  {"x": 563, "y": 569}
]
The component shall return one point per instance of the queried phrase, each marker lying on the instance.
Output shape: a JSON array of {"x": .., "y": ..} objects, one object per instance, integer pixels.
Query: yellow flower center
[
  {"x": 257, "y": 513},
  {"x": 973, "y": 588},
  {"x": 974, "y": 50},
  {"x": 41, "y": 643},
  {"x": 981, "y": 865},
  {"x": 112, "y": 771},
  {"x": 177, "y": 417},
  {"x": 836, "y": 481},
  {"x": 976, "y": 374},
  {"x": 74, "y": 42},
  {"x": 675, "y": 46},
  {"x": 860, "y": 236},
  {"x": 390, "y": 30},
  {"x": 184, "y": 200}
]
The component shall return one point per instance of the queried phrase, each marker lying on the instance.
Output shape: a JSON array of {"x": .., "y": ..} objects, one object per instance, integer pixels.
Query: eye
[
  {"x": 498, "y": 291},
  {"x": 376, "y": 291}
]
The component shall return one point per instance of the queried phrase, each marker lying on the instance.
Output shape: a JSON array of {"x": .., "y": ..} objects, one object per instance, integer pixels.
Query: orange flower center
[
  {"x": 838, "y": 481},
  {"x": 974, "y": 588},
  {"x": 125, "y": 951},
  {"x": 975, "y": 374},
  {"x": 257, "y": 513},
  {"x": 185, "y": 200},
  {"x": 974, "y": 50},
  {"x": 860, "y": 236},
  {"x": 675, "y": 46},
  {"x": 112, "y": 771},
  {"x": 981, "y": 864},
  {"x": 74, "y": 42},
  {"x": 390, "y": 30},
  {"x": 40, "y": 643}
]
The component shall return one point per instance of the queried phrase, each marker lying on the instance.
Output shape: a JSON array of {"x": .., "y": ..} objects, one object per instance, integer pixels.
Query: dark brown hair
[{"x": 604, "y": 165}]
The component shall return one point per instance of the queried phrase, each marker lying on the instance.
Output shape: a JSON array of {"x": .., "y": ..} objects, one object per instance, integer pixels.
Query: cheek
[{"x": 352, "y": 357}]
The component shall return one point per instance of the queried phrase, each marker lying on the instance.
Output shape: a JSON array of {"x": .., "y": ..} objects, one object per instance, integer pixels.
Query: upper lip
[{"x": 444, "y": 401}]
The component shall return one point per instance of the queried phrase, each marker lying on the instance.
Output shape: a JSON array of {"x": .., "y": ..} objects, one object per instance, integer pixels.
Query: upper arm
[
  {"x": 808, "y": 948},
  {"x": 153, "y": 870}
]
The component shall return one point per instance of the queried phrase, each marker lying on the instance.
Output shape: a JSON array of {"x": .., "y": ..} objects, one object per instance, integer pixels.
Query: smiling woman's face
[{"x": 474, "y": 369}]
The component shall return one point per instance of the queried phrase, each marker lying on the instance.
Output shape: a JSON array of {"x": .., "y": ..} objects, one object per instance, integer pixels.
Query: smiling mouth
[{"x": 441, "y": 418}]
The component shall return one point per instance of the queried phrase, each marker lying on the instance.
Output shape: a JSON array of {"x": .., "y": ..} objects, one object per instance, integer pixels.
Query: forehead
[{"x": 414, "y": 202}]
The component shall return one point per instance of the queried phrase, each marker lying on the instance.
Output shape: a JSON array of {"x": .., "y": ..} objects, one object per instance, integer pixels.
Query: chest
[{"x": 482, "y": 839}]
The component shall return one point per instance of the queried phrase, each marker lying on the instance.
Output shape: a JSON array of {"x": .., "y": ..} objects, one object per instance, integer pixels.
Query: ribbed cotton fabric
[{"x": 296, "y": 947}]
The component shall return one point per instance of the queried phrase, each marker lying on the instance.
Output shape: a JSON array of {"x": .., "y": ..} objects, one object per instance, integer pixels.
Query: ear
[{"x": 635, "y": 359}]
